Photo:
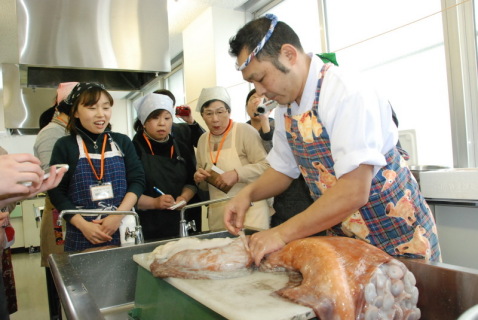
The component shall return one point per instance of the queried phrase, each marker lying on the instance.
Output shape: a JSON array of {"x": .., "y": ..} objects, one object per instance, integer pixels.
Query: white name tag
[
  {"x": 101, "y": 191},
  {"x": 217, "y": 169}
]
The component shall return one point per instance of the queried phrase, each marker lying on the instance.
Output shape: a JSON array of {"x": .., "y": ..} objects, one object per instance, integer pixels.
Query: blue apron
[
  {"x": 79, "y": 191},
  {"x": 396, "y": 217}
]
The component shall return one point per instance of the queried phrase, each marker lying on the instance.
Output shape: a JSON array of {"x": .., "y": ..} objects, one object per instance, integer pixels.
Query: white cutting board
[{"x": 244, "y": 298}]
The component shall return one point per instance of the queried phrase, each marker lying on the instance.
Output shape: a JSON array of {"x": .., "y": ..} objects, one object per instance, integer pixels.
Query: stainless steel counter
[{"x": 101, "y": 284}]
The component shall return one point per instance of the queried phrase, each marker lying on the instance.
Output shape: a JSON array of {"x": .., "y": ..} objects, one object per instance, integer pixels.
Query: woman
[
  {"x": 104, "y": 170},
  {"x": 170, "y": 167},
  {"x": 234, "y": 149},
  {"x": 297, "y": 197},
  {"x": 51, "y": 238}
]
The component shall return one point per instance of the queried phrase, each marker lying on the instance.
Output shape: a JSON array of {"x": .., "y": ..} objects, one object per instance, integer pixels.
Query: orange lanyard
[
  {"x": 99, "y": 178},
  {"x": 151, "y": 147},
  {"x": 60, "y": 119},
  {"x": 220, "y": 144}
]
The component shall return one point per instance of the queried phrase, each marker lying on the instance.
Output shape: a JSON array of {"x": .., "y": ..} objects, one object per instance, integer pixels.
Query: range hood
[{"x": 123, "y": 44}]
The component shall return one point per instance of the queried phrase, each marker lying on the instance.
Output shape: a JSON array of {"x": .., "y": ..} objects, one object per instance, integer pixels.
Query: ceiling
[{"x": 182, "y": 12}]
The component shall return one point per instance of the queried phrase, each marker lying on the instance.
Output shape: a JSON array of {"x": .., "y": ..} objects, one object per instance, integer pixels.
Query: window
[{"x": 390, "y": 42}]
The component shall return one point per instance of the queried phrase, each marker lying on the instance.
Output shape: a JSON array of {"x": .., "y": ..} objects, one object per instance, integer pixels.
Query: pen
[{"x": 158, "y": 191}]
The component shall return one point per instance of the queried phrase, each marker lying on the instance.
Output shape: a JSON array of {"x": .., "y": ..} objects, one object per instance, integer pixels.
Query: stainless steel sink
[{"x": 101, "y": 284}]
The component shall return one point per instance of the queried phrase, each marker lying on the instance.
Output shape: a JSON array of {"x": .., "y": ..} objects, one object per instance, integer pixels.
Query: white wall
[{"x": 207, "y": 62}]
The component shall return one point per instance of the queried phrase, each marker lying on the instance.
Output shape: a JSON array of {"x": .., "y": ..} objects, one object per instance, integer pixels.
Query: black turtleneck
[{"x": 92, "y": 136}]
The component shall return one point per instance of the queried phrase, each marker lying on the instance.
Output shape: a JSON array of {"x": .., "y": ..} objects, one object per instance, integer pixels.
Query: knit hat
[
  {"x": 79, "y": 89},
  {"x": 64, "y": 90},
  {"x": 152, "y": 102},
  {"x": 213, "y": 93}
]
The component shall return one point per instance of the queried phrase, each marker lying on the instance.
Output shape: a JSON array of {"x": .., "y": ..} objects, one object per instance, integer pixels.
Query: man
[{"x": 339, "y": 134}]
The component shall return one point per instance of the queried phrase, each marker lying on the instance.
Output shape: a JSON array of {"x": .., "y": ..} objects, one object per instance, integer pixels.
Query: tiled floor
[{"x": 31, "y": 287}]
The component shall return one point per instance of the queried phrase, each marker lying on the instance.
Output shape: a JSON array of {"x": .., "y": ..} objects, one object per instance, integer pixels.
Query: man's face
[{"x": 268, "y": 80}]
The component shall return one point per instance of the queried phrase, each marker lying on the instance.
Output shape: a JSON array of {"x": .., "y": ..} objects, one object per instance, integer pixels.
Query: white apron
[{"x": 258, "y": 216}]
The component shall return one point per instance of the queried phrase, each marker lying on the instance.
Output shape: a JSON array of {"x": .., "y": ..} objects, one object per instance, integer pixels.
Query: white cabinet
[
  {"x": 26, "y": 221},
  {"x": 32, "y": 210},
  {"x": 17, "y": 224},
  {"x": 458, "y": 234}
]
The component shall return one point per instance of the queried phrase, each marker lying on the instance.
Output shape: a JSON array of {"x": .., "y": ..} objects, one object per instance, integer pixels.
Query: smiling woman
[{"x": 105, "y": 171}]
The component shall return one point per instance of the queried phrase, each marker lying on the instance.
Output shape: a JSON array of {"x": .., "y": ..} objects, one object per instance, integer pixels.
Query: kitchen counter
[
  {"x": 243, "y": 298},
  {"x": 82, "y": 279}
]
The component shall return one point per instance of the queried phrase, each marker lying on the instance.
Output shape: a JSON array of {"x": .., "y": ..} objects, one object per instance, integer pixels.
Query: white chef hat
[
  {"x": 151, "y": 102},
  {"x": 213, "y": 93}
]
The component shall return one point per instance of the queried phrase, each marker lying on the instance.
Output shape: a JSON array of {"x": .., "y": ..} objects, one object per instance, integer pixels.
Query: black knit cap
[{"x": 79, "y": 89}]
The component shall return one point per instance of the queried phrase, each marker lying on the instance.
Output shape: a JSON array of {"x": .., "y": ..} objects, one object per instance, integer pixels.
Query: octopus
[
  {"x": 193, "y": 258},
  {"x": 338, "y": 277},
  {"x": 345, "y": 278}
]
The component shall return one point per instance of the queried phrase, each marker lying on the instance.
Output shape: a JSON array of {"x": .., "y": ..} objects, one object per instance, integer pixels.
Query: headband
[
  {"x": 261, "y": 44},
  {"x": 79, "y": 89}
]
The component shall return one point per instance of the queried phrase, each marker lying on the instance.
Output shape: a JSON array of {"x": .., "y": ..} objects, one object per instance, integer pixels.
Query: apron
[
  {"x": 258, "y": 216},
  {"x": 79, "y": 191},
  {"x": 396, "y": 218},
  {"x": 51, "y": 237},
  {"x": 295, "y": 199},
  {"x": 170, "y": 176}
]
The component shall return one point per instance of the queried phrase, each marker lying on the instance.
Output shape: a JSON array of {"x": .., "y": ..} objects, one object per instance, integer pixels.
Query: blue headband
[{"x": 261, "y": 44}]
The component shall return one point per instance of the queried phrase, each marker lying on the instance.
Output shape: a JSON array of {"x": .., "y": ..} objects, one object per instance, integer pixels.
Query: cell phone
[
  {"x": 183, "y": 111},
  {"x": 47, "y": 173}
]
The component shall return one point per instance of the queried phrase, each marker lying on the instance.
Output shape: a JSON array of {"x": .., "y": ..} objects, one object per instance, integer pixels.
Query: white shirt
[{"x": 357, "y": 119}]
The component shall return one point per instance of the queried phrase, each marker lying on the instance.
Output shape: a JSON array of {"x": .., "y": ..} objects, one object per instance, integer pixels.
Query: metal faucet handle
[
  {"x": 130, "y": 234},
  {"x": 191, "y": 225}
]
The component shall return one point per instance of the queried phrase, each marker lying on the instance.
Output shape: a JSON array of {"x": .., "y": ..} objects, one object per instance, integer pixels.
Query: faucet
[
  {"x": 185, "y": 226},
  {"x": 137, "y": 234}
]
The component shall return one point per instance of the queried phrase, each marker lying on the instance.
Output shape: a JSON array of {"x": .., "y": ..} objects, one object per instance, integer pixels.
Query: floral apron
[
  {"x": 396, "y": 217},
  {"x": 79, "y": 191}
]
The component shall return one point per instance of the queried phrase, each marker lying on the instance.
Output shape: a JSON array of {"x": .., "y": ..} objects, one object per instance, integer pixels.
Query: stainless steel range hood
[{"x": 123, "y": 44}]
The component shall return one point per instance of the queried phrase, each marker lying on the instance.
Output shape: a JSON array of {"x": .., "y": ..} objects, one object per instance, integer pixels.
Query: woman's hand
[
  {"x": 110, "y": 224},
  {"x": 179, "y": 199},
  {"x": 92, "y": 231},
  {"x": 200, "y": 175},
  {"x": 165, "y": 201},
  {"x": 227, "y": 179},
  {"x": 20, "y": 191}
]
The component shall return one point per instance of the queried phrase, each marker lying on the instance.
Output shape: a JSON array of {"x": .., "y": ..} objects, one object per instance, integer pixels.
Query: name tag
[{"x": 101, "y": 191}]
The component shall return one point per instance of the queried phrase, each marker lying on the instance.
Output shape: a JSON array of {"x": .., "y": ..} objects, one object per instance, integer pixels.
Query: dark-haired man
[{"x": 336, "y": 131}]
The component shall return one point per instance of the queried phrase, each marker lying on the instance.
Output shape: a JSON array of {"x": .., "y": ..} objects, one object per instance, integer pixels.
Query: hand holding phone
[{"x": 47, "y": 173}]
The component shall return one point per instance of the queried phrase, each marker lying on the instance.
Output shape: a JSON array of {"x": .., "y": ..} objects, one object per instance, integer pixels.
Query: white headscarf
[
  {"x": 151, "y": 102},
  {"x": 213, "y": 93}
]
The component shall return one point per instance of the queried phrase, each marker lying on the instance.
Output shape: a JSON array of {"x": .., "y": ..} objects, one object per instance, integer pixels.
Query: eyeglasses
[{"x": 219, "y": 113}]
